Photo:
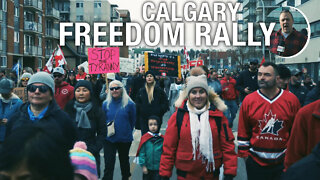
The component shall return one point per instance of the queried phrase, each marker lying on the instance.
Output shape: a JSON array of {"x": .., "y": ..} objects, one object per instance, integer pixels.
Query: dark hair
[
  {"x": 275, "y": 67},
  {"x": 156, "y": 118},
  {"x": 41, "y": 148},
  {"x": 82, "y": 68},
  {"x": 287, "y": 11},
  {"x": 284, "y": 71}
]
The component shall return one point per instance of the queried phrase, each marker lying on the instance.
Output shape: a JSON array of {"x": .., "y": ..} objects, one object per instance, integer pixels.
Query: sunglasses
[
  {"x": 24, "y": 79},
  {"x": 57, "y": 75},
  {"x": 114, "y": 88},
  {"x": 33, "y": 88}
]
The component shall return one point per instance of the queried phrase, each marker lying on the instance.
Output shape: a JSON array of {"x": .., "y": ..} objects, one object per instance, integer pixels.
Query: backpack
[{"x": 180, "y": 114}]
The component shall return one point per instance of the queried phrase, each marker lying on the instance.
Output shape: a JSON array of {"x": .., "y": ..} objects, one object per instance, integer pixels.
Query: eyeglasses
[
  {"x": 114, "y": 88},
  {"x": 24, "y": 79},
  {"x": 33, "y": 88},
  {"x": 57, "y": 75}
]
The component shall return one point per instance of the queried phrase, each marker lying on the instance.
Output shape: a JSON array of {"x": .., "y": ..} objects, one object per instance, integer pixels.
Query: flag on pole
[
  {"x": 49, "y": 65},
  {"x": 16, "y": 68},
  {"x": 263, "y": 61},
  {"x": 59, "y": 57}
]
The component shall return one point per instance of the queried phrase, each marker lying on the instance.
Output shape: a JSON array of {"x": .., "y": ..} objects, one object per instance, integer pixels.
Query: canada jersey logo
[{"x": 270, "y": 124}]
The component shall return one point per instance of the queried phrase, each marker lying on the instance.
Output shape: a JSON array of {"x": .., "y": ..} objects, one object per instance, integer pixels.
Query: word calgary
[{"x": 163, "y": 25}]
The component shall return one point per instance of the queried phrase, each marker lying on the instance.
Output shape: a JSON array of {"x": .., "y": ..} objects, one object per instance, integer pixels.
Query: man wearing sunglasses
[
  {"x": 64, "y": 92},
  {"x": 42, "y": 108}
]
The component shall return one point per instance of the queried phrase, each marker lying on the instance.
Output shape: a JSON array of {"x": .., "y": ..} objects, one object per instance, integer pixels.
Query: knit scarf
[
  {"x": 82, "y": 117},
  {"x": 201, "y": 135}
]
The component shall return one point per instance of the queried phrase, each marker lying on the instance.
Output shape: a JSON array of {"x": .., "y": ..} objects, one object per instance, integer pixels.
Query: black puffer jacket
[
  {"x": 306, "y": 168},
  {"x": 158, "y": 106},
  {"x": 54, "y": 117},
  {"x": 94, "y": 136}
]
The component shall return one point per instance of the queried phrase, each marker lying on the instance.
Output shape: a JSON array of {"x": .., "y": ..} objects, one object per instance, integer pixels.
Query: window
[
  {"x": 16, "y": 36},
  {"x": 3, "y": 61},
  {"x": 39, "y": 19},
  {"x": 4, "y": 33},
  {"x": 16, "y": 11},
  {"x": 315, "y": 29},
  {"x": 79, "y": 5},
  {"x": 79, "y": 18},
  {"x": 4, "y": 5},
  {"x": 40, "y": 63},
  {"x": 97, "y": 5},
  {"x": 40, "y": 41}
]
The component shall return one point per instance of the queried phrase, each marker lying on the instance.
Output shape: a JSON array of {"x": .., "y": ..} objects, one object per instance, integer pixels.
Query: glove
[
  {"x": 228, "y": 177},
  {"x": 164, "y": 178}
]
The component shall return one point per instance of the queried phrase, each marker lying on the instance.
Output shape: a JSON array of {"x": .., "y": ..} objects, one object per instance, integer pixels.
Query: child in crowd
[
  {"x": 84, "y": 162},
  {"x": 150, "y": 150}
]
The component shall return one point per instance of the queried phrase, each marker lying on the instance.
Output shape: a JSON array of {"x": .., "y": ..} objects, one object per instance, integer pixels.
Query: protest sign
[
  {"x": 127, "y": 65},
  {"x": 21, "y": 92},
  {"x": 163, "y": 64},
  {"x": 103, "y": 60}
]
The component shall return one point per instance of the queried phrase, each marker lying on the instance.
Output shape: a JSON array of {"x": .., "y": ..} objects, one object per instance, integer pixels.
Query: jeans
[
  {"x": 232, "y": 111},
  {"x": 255, "y": 171},
  {"x": 110, "y": 151},
  {"x": 152, "y": 175}
]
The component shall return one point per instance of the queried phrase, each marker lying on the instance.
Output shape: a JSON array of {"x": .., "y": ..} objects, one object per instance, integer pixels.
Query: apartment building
[{"x": 28, "y": 29}]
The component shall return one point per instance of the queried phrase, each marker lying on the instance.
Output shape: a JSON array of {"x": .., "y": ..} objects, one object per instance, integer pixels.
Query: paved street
[{"x": 136, "y": 170}]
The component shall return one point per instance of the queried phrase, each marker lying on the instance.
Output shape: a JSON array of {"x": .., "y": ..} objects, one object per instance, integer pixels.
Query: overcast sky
[{"x": 135, "y": 8}]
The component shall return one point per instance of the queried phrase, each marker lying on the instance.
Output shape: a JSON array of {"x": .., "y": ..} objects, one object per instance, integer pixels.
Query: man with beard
[
  {"x": 287, "y": 41},
  {"x": 265, "y": 120},
  {"x": 247, "y": 80},
  {"x": 295, "y": 86}
]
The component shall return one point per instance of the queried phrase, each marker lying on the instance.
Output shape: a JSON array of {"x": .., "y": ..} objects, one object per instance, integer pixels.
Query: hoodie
[
  {"x": 63, "y": 94},
  {"x": 7, "y": 109}
]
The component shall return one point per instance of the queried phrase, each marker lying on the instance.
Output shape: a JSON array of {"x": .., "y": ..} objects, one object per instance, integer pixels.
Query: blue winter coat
[
  {"x": 7, "y": 110},
  {"x": 124, "y": 120}
]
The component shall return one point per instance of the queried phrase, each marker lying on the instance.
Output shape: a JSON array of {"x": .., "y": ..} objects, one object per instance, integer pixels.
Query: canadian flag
[
  {"x": 186, "y": 56},
  {"x": 59, "y": 58},
  {"x": 49, "y": 65}
]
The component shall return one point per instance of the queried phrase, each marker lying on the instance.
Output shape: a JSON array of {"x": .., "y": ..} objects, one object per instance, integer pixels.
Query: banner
[
  {"x": 163, "y": 64},
  {"x": 21, "y": 92},
  {"x": 127, "y": 65},
  {"x": 103, "y": 60}
]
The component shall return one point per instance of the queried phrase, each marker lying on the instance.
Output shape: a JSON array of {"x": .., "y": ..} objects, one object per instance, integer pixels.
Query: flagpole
[{"x": 65, "y": 61}]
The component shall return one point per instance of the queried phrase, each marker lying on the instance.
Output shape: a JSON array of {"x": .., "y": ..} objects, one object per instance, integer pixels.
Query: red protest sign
[{"x": 103, "y": 60}]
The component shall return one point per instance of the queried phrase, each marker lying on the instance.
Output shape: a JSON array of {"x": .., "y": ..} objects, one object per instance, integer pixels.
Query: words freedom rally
[{"x": 163, "y": 23}]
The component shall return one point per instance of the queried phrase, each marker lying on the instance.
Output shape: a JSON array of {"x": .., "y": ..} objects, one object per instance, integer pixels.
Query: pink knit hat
[{"x": 83, "y": 161}]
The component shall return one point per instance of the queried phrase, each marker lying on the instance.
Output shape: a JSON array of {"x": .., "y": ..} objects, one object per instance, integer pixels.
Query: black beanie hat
[
  {"x": 84, "y": 83},
  {"x": 150, "y": 72}
]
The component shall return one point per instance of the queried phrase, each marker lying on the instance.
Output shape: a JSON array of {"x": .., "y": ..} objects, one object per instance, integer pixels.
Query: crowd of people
[{"x": 76, "y": 115}]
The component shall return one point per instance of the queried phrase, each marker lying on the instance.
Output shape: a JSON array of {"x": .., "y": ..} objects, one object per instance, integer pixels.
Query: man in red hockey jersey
[{"x": 265, "y": 120}]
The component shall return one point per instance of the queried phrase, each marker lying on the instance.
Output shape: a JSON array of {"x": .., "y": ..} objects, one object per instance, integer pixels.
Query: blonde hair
[
  {"x": 213, "y": 97},
  {"x": 150, "y": 90},
  {"x": 124, "y": 96}
]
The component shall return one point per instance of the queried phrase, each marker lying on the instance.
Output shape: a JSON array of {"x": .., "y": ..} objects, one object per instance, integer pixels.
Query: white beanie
[
  {"x": 197, "y": 81},
  {"x": 44, "y": 78}
]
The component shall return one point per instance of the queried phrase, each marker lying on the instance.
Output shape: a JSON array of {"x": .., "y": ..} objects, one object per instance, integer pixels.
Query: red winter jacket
[
  {"x": 231, "y": 94},
  {"x": 63, "y": 93},
  {"x": 304, "y": 134},
  {"x": 178, "y": 152}
]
